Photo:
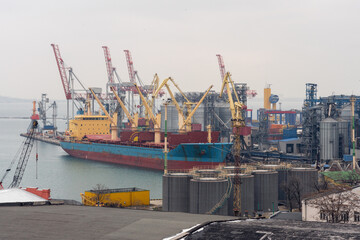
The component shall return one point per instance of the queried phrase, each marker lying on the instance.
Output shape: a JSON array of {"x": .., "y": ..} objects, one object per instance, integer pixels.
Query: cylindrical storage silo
[
  {"x": 344, "y": 137},
  {"x": 199, "y": 116},
  {"x": 176, "y": 192},
  {"x": 265, "y": 190},
  {"x": 205, "y": 193},
  {"x": 282, "y": 181},
  {"x": 172, "y": 118},
  {"x": 225, "y": 114},
  {"x": 246, "y": 195},
  {"x": 329, "y": 139},
  {"x": 306, "y": 177}
]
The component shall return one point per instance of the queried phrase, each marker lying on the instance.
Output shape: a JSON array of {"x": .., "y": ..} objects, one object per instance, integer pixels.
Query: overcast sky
[{"x": 284, "y": 43}]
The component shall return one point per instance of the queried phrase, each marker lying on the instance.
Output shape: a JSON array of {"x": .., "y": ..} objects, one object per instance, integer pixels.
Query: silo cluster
[{"x": 212, "y": 191}]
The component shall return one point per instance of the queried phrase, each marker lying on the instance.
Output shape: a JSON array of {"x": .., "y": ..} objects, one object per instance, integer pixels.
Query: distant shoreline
[{"x": 25, "y": 118}]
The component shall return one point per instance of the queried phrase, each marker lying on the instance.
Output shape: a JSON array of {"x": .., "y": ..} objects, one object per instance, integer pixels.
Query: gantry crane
[
  {"x": 23, "y": 157},
  {"x": 113, "y": 127},
  {"x": 237, "y": 122}
]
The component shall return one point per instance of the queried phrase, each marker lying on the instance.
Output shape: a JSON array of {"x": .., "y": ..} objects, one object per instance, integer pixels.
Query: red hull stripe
[{"x": 152, "y": 163}]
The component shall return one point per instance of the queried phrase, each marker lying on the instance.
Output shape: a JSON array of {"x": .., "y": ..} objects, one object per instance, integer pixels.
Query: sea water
[{"x": 66, "y": 176}]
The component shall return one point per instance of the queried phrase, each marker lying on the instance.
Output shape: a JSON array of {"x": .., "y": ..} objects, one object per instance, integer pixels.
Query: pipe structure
[{"x": 352, "y": 100}]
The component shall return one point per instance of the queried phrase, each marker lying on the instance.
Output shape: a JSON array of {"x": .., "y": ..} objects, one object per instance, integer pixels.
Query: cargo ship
[{"x": 89, "y": 138}]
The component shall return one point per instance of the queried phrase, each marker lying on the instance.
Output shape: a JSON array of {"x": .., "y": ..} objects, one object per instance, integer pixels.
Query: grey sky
[{"x": 285, "y": 43}]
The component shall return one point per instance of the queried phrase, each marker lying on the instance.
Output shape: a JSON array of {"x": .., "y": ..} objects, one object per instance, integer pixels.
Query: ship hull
[{"x": 184, "y": 156}]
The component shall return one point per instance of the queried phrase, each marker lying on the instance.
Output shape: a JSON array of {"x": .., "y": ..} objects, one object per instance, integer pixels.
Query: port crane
[
  {"x": 24, "y": 151},
  {"x": 184, "y": 121},
  {"x": 156, "y": 120},
  {"x": 187, "y": 103},
  {"x": 68, "y": 81},
  {"x": 249, "y": 93},
  {"x": 187, "y": 121},
  {"x": 237, "y": 109},
  {"x": 112, "y": 74},
  {"x": 133, "y": 119}
]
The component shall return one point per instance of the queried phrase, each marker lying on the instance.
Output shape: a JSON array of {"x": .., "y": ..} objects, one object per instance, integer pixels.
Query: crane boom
[
  {"x": 24, "y": 156},
  {"x": 102, "y": 107},
  {"x": 188, "y": 119},
  {"x": 62, "y": 71},
  {"x": 235, "y": 107},
  {"x": 156, "y": 124},
  {"x": 109, "y": 67},
  {"x": 221, "y": 66},
  {"x": 131, "y": 119},
  {"x": 130, "y": 66}
]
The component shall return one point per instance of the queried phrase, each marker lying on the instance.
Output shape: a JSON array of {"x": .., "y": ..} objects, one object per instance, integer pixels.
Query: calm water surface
[{"x": 67, "y": 176}]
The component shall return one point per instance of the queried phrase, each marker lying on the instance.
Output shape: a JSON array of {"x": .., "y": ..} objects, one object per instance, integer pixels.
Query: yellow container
[{"x": 121, "y": 197}]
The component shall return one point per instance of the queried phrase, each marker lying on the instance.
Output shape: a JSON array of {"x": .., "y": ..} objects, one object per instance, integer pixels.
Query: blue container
[{"x": 347, "y": 158}]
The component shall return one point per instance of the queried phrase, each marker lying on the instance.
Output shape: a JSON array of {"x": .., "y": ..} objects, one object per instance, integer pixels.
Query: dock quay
[{"x": 44, "y": 138}]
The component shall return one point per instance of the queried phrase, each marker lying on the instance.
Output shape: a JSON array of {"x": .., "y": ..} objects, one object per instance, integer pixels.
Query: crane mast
[
  {"x": 109, "y": 68},
  {"x": 62, "y": 71},
  {"x": 237, "y": 120},
  {"x": 24, "y": 156},
  {"x": 221, "y": 66},
  {"x": 130, "y": 66}
]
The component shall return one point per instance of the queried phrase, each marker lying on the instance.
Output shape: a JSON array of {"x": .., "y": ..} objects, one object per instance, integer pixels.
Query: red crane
[
  {"x": 130, "y": 66},
  {"x": 62, "y": 71},
  {"x": 109, "y": 68},
  {"x": 221, "y": 66}
]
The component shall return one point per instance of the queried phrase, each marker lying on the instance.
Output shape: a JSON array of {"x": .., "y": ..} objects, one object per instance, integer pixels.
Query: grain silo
[
  {"x": 329, "y": 139},
  {"x": 307, "y": 177},
  {"x": 172, "y": 118},
  {"x": 246, "y": 195},
  {"x": 176, "y": 192},
  {"x": 344, "y": 137},
  {"x": 282, "y": 179},
  {"x": 205, "y": 193},
  {"x": 199, "y": 117},
  {"x": 265, "y": 190}
]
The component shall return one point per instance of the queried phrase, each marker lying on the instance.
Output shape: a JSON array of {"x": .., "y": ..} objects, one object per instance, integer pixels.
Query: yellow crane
[
  {"x": 151, "y": 102},
  {"x": 133, "y": 119},
  {"x": 156, "y": 120},
  {"x": 180, "y": 111},
  {"x": 113, "y": 126},
  {"x": 184, "y": 123},
  {"x": 236, "y": 107},
  {"x": 188, "y": 103},
  {"x": 237, "y": 121},
  {"x": 187, "y": 121}
]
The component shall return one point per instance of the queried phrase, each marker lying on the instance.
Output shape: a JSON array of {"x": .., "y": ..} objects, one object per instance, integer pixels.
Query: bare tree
[
  {"x": 100, "y": 193},
  {"x": 336, "y": 204},
  {"x": 293, "y": 192}
]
